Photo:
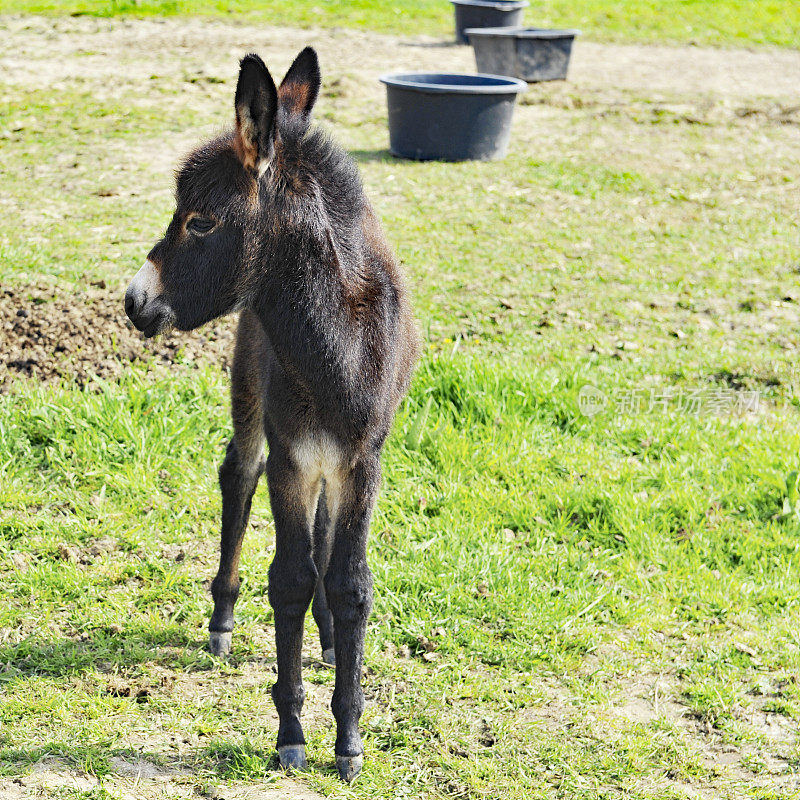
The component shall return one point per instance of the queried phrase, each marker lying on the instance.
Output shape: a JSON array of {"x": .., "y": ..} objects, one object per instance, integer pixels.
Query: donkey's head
[{"x": 204, "y": 266}]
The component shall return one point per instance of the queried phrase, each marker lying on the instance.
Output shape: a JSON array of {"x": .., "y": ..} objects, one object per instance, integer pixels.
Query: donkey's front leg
[
  {"x": 238, "y": 477},
  {"x": 292, "y": 577},
  {"x": 348, "y": 584}
]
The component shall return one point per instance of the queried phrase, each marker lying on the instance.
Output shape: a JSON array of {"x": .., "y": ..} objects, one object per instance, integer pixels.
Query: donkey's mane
[{"x": 309, "y": 152}]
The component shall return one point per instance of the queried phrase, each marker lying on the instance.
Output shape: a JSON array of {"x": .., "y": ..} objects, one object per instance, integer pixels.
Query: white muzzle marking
[{"x": 147, "y": 281}]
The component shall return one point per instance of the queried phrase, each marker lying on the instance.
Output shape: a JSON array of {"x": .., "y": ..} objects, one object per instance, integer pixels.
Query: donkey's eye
[{"x": 200, "y": 225}]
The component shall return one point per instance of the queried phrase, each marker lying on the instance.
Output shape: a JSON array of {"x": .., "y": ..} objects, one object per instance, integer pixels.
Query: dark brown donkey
[{"x": 272, "y": 221}]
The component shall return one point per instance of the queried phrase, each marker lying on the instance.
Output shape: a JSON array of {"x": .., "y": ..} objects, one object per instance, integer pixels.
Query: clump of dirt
[{"x": 49, "y": 334}]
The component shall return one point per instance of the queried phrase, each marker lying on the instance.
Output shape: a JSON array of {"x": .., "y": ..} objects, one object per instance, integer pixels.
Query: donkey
[{"x": 272, "y": 221}]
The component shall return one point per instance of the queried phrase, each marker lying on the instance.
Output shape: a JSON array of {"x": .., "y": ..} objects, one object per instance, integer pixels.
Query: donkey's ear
[
  {"x": 299, "y": 89},
  {"x": 256, "y": 109}
]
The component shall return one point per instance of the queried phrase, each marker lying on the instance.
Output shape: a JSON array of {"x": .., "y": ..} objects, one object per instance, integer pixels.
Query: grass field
[
  {"x": 567, "y": 606},
  {"x": 719, "y": 22}
]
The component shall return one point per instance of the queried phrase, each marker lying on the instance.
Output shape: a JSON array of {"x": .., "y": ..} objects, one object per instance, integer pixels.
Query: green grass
[
  {"x": 543, "y": 539},
  {"x": 718, "y": 22},
  {"x": 541, "y": 575}
]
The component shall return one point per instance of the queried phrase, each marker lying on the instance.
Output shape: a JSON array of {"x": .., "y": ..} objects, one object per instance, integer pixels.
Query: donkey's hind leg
[
  {"x": 322, "y": 554},
  {"x": 292, "y": 578},
  {"x": 348, "y": 584}
]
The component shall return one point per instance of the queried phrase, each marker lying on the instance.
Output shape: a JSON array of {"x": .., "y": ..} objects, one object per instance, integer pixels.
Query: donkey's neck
[{"x": 309, "y": 307}]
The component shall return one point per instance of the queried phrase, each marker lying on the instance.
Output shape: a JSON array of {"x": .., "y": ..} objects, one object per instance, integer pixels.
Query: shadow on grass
[
  {"x": 218, "y": 759},
  {"x": 381, "y": 156},
  {"x": 441, "y": 44},
  {"x": 107, "y": 649}
]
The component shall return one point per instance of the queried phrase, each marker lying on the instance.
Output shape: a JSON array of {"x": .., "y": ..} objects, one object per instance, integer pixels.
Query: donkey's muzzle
[{"x": 144, "y": 305}]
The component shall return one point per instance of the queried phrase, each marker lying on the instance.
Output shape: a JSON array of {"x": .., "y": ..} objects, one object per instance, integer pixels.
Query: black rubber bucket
[
  {"x": 450, "y": 117},
  {"x": 531, "y": 54},
  {"x": 486, "y": 14}
]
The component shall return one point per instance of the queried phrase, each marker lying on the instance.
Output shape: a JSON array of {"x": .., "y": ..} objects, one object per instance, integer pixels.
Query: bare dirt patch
[
  {"x": 767, "y": 72},
  {"x": 652, "y": 699},
  {"x": 49, "y": 335},
  {"x": 91, "y": 49}
]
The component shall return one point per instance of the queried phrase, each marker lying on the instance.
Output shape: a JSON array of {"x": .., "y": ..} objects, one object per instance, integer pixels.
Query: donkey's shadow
[
  {"x": 440, "y": 44},
  {"x": 372, "y": 156},
  {"x": 218, "y": 759},
  {"x": 108, "y": 650}
]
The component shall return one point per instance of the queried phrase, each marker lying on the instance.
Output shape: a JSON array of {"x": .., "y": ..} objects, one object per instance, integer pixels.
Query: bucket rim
[
  {"x": 502, "y": 5},
  {"x": 454, "y": 83},
  {"x": 520, "y": 32}
]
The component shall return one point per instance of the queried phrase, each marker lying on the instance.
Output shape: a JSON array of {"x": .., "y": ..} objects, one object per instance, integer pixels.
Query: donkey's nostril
[{"x": 134, "y": 302}]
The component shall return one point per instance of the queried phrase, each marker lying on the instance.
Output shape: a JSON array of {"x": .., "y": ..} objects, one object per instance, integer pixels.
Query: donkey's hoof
[
  {"x": 292, "y": 756},
  {"x": 329, "y": 657},
  {"x": 349, "y": 767},
  {"x": 219, "y": 643}
]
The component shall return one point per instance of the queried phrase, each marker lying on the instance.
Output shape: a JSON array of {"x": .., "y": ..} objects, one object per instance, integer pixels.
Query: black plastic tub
[
  {"x": 531, "y": 54},
  {"x": 450, "y": 117},
  {"x": 486, "y": 14}
]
